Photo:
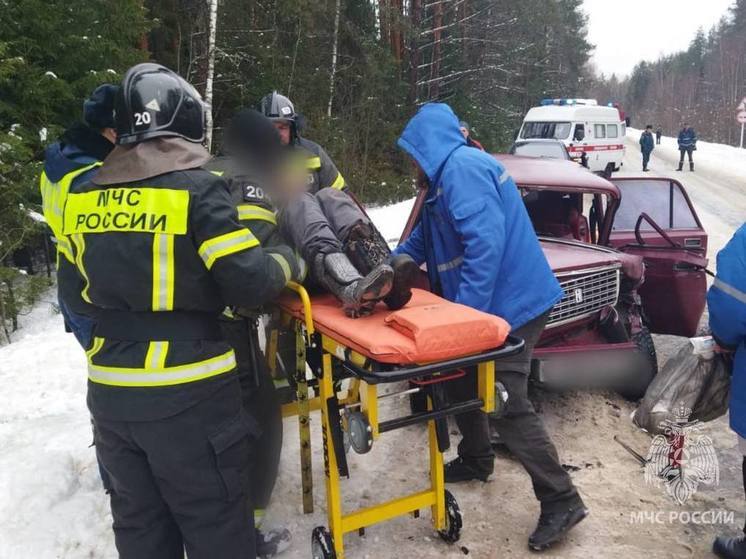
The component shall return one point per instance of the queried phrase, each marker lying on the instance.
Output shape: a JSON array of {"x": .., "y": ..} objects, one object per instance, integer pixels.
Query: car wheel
[{"x": 635, "y": 386}]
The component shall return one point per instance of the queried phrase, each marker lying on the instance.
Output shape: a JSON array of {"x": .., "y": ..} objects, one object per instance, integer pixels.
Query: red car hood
[{"x": 570, "y": 256}]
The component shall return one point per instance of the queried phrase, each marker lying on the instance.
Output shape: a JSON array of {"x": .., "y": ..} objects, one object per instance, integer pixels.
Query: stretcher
[{"x": 426, "y": 344}]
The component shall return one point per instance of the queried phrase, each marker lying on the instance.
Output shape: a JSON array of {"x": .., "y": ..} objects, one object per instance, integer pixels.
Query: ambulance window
[
  {"x": 579, "y": 134},
  {"x": 599, "y": 130},
  {"x": 624, "y": 130},
  {"x": 546, "y": 130},
  {"x": 612, "y": 131}
]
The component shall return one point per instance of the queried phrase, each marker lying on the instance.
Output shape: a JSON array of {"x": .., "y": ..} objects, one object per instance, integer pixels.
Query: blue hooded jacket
[
  {"x": 726, "y": 301},
  {"x": 475, "y": 234},
  {"x": 687, "y": 138}
]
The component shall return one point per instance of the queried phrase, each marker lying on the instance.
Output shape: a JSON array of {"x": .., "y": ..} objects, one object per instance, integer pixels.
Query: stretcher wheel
[
  {"x": 454, "y": 520},
  {"x": 358, "y": 431},
  {"x": 322, "y": 545}
]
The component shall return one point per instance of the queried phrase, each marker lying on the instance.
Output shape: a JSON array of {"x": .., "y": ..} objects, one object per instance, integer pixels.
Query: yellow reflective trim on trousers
[
  {"x": 139, "y": 210},
  {"x": 79, "y": 242},
  {"x": 339, "y": 182},
  {"x": 155, "y": 358},
  {"x": 284, "y": 265},
  {"x": 313, "y": 163},
  {"x": 223, "y": 245},
  {"x": 162, "y": 376},
  {"x": 54, "y": 194},
  {"x": 218, "y": 173},
  {"x": 95, "y": 348},
  {"x": 250, "y": 211},
  {"x": 163, "y": 272}
]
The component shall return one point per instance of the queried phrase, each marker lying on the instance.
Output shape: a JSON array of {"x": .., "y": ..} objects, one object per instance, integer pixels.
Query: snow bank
[{"x": 52, "y": 501}]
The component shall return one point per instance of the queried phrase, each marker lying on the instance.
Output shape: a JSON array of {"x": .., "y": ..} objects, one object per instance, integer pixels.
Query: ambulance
[{"x": 593, "y": 134}]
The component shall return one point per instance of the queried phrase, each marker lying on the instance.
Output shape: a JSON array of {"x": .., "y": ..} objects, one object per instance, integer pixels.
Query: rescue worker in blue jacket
[
  {"x": 687, "y": 146},
  {"x": 647, "y": 145},
  {"x": 73, "y": 160},
  {"x": 159, "y": 253},
  {"x": 726, "y": 302},
  {"x": 481, "y": 250}
]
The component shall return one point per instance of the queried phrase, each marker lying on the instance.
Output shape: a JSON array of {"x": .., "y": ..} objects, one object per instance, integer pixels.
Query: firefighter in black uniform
[
  {"x": 159, "y": 253},
  {"x": 250, "y": 160}
]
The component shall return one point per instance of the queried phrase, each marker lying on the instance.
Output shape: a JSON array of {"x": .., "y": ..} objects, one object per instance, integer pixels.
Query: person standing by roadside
[
  {"x": 726, "y": 301},
  {"x": 687, "y": 145},
  {"x": 481, "y": 251},
  {"x": 658, "y": 135},
  {"x": 73, "y": 160},
  {"x": 647, "y": 145}
]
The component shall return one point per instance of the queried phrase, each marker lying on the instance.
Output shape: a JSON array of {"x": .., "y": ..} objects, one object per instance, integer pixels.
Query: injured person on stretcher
[{"x": 345, "y": 252}]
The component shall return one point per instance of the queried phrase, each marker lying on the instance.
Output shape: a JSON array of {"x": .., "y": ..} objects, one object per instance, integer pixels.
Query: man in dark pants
[
  {"x": 687, "y": 146},
  {"x": 159, "y": 253},
  {"x": 658, "y": 135},
  {"x": 647, "y": 145},
  {"x": 481, "y": 250}
]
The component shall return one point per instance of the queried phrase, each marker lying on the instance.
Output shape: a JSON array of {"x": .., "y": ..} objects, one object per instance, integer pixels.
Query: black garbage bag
[{"x": 691, "y": 383}]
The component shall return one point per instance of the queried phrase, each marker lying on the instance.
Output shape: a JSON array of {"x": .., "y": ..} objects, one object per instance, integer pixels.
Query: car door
[{"x": 655, "y": 219}]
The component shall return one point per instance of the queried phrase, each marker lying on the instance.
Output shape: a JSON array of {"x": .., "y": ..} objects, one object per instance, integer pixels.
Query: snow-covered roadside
[{"x": 51, "y": 500}]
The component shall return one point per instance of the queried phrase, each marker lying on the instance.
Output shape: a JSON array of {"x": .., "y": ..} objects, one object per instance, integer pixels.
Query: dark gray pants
[
  {"x": 520, "y": 427},
  {"x": 683, "y": 152},
  {"x": 318, "y": 223},
  {"x": 181, "y": 482}
]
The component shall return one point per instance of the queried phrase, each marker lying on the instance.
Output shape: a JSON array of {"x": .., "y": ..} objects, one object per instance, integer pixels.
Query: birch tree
[{"x": 211, "y": 36}]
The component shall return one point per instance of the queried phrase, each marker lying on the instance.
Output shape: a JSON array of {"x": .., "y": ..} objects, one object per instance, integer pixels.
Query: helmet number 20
[{"x": 142, "y": 118}]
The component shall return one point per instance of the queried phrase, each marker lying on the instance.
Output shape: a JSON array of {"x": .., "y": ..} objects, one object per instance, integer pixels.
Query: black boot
[
  {"x": 465, "y": 469},
  {"x": 691, "y": 165},
  {"x": 366, "y": 249},
  {"x": 730, "y": 548},
  {"x": 555, "y": 522},
  {"x": 681, "y": 166},
  {"x": 358, "y": 294}
]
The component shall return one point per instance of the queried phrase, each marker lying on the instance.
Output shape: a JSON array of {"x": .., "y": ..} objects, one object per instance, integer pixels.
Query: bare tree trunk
[
  {"x": 212, "y": 31},
  {"x": 414, "y": 50},
  {"x": 3, "y": 322},
  {"x": 335, "y": 46}
]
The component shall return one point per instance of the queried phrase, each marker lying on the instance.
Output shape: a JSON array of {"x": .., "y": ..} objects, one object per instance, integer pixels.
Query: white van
[{"x": 592, "y": 133}]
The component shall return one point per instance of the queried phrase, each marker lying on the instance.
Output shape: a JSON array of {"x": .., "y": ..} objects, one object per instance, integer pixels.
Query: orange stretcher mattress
[{"x": 428, "y": 329}]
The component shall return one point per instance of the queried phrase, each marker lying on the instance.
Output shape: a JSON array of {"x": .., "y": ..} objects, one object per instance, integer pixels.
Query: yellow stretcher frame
[{"x": 364, "y": 395}]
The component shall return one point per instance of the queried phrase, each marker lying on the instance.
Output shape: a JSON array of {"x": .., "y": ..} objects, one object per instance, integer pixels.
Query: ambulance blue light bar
[{"x": 563, "y": 101}]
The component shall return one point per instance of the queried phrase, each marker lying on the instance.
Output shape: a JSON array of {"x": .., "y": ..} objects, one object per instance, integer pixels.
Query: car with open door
[{"x": 630, "y": 255}]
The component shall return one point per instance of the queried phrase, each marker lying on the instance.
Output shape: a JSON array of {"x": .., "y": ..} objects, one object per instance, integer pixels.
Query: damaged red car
[{"x": 630, "y": 254}]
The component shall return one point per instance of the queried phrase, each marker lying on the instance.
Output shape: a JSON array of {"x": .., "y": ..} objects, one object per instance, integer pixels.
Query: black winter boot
[
  {"x": 691, "y": 165},
  {"x": 366, "y": 249},
  {"x": 681, "y": 166},
  {"x": 555, "y": 522},
  {"x": 730, "y": 548},
  {"x": 358, "y": 294}
]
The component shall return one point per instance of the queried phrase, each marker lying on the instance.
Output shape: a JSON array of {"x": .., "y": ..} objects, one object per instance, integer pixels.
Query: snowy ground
[{"x": 52, "y": 505}]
